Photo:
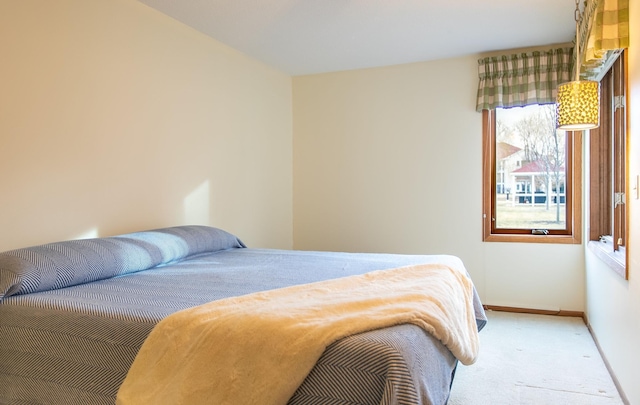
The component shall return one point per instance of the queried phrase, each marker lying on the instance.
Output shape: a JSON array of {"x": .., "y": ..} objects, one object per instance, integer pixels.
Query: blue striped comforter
[{"x": 74, "y": 344}]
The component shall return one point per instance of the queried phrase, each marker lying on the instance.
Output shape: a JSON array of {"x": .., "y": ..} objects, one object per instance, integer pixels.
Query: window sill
[
  {"x": 525, "y": 238},
  {"x": 616, "y": 261}
]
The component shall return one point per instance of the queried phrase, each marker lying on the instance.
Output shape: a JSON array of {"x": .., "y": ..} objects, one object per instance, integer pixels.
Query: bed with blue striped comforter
[{"x": 74, "y": 314}]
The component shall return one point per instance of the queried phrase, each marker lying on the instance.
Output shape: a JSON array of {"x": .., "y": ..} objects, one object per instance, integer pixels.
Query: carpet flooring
[{"x": 530, "y": 359}]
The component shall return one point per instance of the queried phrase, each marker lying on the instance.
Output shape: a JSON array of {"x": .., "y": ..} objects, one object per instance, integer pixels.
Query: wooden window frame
[
  {"x": 573, "y": 188},
  {"x": 608, "y": 170}
]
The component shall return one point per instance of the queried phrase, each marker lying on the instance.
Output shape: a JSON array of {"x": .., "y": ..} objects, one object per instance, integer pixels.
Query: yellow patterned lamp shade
[{"x": 578, "y": 105}]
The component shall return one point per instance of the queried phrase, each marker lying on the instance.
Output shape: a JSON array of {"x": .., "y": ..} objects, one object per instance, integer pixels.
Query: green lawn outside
[{"x": 524, "y": 216}]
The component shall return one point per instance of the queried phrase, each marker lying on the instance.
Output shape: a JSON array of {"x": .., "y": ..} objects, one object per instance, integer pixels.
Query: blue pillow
[{"x": 63, "y": 264}]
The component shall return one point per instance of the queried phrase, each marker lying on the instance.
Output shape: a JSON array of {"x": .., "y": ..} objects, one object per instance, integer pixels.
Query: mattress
[{"x": 71, "y": 338}]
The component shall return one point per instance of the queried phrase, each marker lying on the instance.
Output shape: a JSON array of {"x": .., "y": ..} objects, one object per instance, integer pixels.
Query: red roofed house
[{"x": 535, "y": 181}]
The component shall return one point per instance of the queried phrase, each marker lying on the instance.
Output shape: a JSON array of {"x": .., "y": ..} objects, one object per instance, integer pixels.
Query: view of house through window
[{"x": 530, "y": 170}]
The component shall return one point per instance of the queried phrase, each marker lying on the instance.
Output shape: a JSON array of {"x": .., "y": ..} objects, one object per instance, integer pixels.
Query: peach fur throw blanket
[{"x": 258, "y": 348}]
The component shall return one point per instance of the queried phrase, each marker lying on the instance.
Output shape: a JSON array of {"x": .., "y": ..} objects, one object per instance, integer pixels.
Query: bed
[{"x": 74, "y": 315}]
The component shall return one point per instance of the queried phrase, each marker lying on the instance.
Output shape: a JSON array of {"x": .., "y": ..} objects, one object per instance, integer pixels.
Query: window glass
[{"x": 530, "y": 158}]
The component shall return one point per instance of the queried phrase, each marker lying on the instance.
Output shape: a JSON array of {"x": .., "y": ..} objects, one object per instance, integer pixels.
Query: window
[
  {"x": 607, "y": 171},
  {"x": 529, "y": 171}
]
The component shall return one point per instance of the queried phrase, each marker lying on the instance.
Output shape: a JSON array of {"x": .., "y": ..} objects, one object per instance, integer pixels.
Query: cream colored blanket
[{"x": 258, "y": 348}]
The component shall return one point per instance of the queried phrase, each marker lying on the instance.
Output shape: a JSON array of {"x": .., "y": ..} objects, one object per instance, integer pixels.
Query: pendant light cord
[{"x": 577, "y": 17}]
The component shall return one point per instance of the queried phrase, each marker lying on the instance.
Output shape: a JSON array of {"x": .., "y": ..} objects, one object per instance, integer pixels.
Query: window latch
[{"x": 539, "y": 232}]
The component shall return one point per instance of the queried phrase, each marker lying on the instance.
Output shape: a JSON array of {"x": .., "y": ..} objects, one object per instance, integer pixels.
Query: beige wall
[
  {"x": 613, "y": 304},
  {"x": 390, "y": 160},
  {"x": 116, "y": 118}
]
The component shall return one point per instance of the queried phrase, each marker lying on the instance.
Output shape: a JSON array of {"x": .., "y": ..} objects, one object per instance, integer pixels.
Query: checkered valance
[
  {"x": 531, "y": 78},
  {"x": 604, "y": 32},
  {"x": 523, "y": 78}
]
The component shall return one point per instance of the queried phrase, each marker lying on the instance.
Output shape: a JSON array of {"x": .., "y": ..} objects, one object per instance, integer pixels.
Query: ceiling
[{"x": 303, "y": 37}]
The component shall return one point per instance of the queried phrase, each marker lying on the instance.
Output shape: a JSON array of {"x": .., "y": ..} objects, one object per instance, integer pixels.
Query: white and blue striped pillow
[{"x": 63, "y": 264}]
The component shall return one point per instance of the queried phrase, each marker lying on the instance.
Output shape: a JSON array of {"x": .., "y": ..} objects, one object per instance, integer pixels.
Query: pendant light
[{"x": 578, "y": 102}]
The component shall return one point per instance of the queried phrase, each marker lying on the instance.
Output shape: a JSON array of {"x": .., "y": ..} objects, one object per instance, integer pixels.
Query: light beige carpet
[{"x": 535, "y": 360}]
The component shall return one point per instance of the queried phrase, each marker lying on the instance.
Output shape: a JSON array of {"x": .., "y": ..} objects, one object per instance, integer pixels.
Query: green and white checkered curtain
[
  {"x": 604, "y": 32},
  {"x": 521, "y": 79}
]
